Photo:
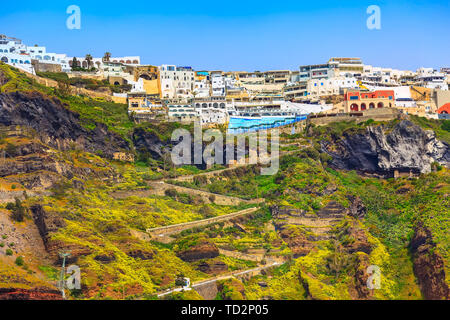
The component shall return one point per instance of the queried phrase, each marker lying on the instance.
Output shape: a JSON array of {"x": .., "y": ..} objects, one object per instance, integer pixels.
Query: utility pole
[{"x": 63, "y": 255}]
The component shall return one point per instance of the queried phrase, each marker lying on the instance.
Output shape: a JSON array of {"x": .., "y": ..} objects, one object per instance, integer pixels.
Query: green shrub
[
  {"x": 19, "y": 261},
  {"x": 10, "y": 206},
  {"x": 18, "y": 211},
  {"x": 325, "y": 158},
  {"x": 11, "y": 150},
  {"x": 171, "y": 192},
  {"x": 446, "y": 125},
  {"x": 9, "y": 252},
  {"x": 436, "y": 166},
  {"x": 312, "y": 153}
]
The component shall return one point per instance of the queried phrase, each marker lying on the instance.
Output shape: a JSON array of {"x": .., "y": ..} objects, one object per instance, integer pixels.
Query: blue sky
[{"x": 239, "y": 35}]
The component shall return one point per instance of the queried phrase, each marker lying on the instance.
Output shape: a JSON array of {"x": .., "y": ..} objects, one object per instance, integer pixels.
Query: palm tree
[
  {"x": 107, "y": 56},
  {"x": 88, "y": 58}
]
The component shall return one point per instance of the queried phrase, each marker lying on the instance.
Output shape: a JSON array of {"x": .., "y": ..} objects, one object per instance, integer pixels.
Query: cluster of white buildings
[
  {"x": 14, "y": 52},
  {"x": 220, "y": 111},
  {"x": 214, "y": 96},
  {"x": 17, "y": 54}
]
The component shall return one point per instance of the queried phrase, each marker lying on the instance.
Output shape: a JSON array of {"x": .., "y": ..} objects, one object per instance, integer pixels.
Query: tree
[
  {"x": 74, "y": 63},
  {"x": 18, "y": 211},
  {"x": 107, "y": 56},
  {"x": 19, "y": 261},
  {"x": 179, "y": 280},
  {"x": 88, "y": 59}
]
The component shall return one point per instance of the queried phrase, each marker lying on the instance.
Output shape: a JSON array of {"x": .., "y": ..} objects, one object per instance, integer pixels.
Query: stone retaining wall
[{"x": 172, "y": 229}]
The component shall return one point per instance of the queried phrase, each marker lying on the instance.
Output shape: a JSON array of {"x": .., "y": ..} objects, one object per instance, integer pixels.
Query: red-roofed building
[
  {"x": 357, "y": 100},
  {"x": 444, "y": 109}
]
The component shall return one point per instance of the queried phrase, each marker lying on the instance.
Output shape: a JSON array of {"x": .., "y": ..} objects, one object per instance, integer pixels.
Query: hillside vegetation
[{"x": 322, "y": 225}]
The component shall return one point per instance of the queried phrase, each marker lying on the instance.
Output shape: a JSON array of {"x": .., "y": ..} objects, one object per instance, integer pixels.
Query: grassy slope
[{"x": 96, "y": 221}]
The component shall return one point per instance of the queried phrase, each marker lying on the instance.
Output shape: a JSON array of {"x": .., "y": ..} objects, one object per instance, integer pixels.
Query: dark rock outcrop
[
  {"x": 105, "y": 258},
  {"x": 361, "y": 277},
  {"x": 56, "y": 125},
  {"x": 353, "y": 238},
  {"x": 141, "y": 254},
  {"x": 299, "y": 244},
  {"x": 357, "y": 208},
  {"x": 404, "y": 148},
  {"x": 428, "y": 265},
  {"x": 203, "y": 250},
  {"x": 48, "y": 223},
  {"x": 148, "y": 143},
  {"x": 212, "y": 267},
  {"x": 29, "y": 294}
]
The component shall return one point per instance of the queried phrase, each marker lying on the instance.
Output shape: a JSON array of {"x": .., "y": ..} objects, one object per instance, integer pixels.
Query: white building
[
  {"x": 116, "y": 69},
  {"x": 202, "y": 88},
  {"x": 99, "y": 63},
  {"x": 182, "y": 112},
  {"x": 218, "y": 84},
  {"x": 331, "y": 86},
  {"x": 176, "y": 82},
  {"x": 16, "y": 53},
  {"x": 429, "y": 78},
  {"x": 379, "y": 76}
]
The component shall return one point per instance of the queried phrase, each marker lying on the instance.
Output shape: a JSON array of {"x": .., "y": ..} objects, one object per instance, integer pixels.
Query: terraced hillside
[{"x": 77, "y": 175}]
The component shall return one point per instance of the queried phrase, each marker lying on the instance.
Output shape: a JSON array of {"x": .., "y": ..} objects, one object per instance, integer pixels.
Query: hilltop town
[
  {"x": 93, "y": 205},
  {"x": 246, "y": 101}
]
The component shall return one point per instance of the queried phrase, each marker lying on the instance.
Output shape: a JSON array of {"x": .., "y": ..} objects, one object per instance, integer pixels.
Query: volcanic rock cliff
[
  {"x": 405, "y": 148},
  {"x": 56, "y": 125},
  {"x": 428, "y": 265}
]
